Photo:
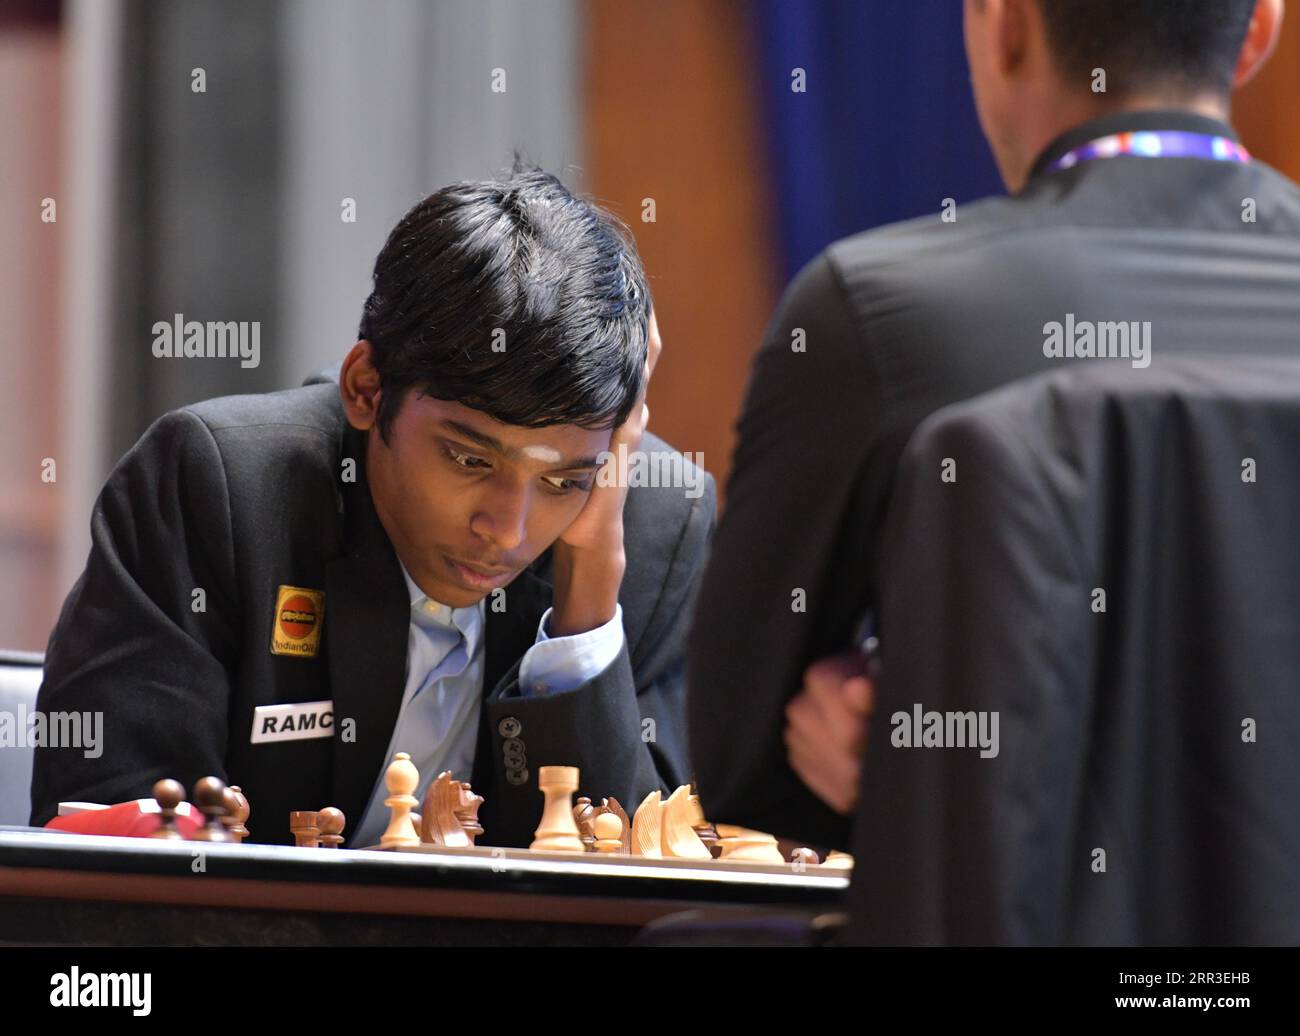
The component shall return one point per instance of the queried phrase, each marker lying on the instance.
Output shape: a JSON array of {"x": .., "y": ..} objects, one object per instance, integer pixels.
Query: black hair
[
  {"x": 1180, "y": 45},
  {"x": 513, "y": 297}
]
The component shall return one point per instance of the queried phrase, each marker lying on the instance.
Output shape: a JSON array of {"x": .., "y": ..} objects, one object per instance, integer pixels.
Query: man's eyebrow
[
  {"x": 476, "y": 437},
  {"x": 488, "y": 442}
]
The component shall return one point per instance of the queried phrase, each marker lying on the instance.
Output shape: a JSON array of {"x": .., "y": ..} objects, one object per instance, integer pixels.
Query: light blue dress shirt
[{"x": 437, "y": 723}]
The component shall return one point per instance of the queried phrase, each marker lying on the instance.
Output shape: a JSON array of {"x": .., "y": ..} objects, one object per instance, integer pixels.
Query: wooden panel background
[
  {"x": 672, "y": 115},
  {"x": 1264, "y": 111},
  {"x": 31, "y": 67}
]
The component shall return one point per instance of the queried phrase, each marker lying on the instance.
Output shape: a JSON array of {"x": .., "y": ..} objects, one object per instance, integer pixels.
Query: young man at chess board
[{"x": 422, "y": 554}]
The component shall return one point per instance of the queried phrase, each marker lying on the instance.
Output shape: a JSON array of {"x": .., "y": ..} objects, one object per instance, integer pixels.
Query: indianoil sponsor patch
[{"x": 299, "y": 616}]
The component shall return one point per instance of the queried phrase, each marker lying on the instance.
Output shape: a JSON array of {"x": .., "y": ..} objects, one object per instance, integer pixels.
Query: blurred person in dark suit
[{"x": 1133, "y": 208}]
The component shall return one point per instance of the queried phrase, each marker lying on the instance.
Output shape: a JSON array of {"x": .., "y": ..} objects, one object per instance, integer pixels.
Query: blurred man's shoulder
[
  {"x": 273, "y": 439},
  {"x": 1112, "y": 203},
  {"x": 311, "y": 408},
  {"x": 951, "y": 230}
]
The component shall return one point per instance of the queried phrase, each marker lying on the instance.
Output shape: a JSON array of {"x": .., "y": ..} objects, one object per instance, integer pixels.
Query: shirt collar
[
  {"x": 1130, "y": 122},
  {"x": 425, "y": 611}
]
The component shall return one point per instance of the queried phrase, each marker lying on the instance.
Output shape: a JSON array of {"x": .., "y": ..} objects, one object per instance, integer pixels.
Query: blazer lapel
[
  {"x": 508, "y": 635},
  {"x": 369, "y": 619},
  {"x": 511, "y": 632}
]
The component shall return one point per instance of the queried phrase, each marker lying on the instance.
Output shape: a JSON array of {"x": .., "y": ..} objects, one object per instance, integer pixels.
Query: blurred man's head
[
  {"x": 505, "y": 338},
  {"x": 1039, "y": 67}
]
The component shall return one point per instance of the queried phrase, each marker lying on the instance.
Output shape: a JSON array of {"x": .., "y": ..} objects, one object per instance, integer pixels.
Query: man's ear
[
  {"x": 1012, "y": 25},
  {"x": 1261, "y": 40},
  {"x": 359, "y": 386}
]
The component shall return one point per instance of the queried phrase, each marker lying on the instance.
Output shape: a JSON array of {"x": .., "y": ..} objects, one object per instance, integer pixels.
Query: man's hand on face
[
  {"x": 589, "y": 557},
  {"x": 826, "y": 729}
]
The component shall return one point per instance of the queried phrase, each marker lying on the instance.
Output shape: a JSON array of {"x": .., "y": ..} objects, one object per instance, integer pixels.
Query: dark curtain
[
  {"x": 200, "y": 199},
  {"x": 887, "y": 128}
]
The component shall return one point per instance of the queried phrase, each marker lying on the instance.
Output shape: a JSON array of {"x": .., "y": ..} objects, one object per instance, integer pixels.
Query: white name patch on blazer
[{"x": 298, "y": 722}]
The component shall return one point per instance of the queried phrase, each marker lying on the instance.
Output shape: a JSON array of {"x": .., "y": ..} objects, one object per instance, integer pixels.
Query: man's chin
[
  {"x": 462, "y": 589},
  {"x": 457, "y": 596}
]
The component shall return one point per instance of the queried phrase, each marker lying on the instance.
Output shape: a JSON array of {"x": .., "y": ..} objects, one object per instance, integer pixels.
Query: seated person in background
[
  {"x": 284, "y": 590},
  {"x": 1130, "y": 204}
]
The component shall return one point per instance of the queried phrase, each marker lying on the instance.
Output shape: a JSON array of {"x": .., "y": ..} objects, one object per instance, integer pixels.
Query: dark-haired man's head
[
  {"x": 1039, "y": 67},
  {"x": 504, "y": 340}
]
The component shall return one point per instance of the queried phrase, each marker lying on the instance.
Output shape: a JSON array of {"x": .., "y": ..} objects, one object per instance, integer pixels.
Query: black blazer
[
  {"x": 901, "y": 321},
  {"x": 240, "y": 495},
  {"x": 1146, "y": 784}
]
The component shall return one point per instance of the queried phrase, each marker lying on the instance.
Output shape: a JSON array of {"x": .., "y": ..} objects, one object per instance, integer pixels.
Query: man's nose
[{"x": 503, "y": 517}]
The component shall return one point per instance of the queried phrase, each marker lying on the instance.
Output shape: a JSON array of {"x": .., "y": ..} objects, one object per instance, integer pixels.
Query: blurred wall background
[
  {"x": 32, "y": 58},
  {"x": 227, "y": 203}
]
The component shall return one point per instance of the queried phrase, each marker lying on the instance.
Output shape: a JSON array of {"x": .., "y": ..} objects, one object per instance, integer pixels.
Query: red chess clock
[{"x": 139, "y": 818}]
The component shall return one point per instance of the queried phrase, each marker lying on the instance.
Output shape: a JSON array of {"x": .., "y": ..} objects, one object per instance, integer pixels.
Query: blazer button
[
  {"x": 513, "y": 750},
  {"x": 510, "y": 727},
  {"x": 517, "y": 776}
]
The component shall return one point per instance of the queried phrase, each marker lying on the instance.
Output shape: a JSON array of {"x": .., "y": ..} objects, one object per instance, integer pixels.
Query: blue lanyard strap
[{"x": 1154, "y": 144}]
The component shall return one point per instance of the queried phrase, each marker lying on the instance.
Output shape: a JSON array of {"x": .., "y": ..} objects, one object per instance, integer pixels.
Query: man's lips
[{"x": 476, "y": 576}]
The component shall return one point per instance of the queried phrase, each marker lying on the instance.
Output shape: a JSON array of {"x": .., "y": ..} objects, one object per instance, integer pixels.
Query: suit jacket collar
[
  {"x": 368, "y": 619},
  {"x": 1130, "y": 122}
]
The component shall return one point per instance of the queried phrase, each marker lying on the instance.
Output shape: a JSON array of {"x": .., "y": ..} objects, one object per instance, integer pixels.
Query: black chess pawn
[
  {"x": 304, "y": 826},
  {"x": 467, "y": 812},
  {"x": 168, "y": 794},
  {"x": 209, "y": 796},
  {"x": 330, "y": 821},
  {"x": 584, "y": 814},
  {"x": 236, "y": 813}
]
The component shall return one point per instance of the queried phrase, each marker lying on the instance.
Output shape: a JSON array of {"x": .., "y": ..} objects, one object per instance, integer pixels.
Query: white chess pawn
[
  {"x": 558, "y": 831},
  {"x": 401, "y": 779},
  {"x": 608, "y": 829}
]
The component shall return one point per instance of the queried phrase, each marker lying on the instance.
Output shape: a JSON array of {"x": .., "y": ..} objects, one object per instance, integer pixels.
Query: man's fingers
[
  {"x": 803, "y": 715},
  {"x": 825, "y": 677},
  {"x": 803, "y": 760},
  {"x": 834, "y": 781},
  {"x": 838, "y": 751},
  {"x": 829, "y": 718},
  {"x": 835, "y": 667},
  {"x": 806, "y": 713},
  {"x": 859, "y": 694},
  {"x": 826, "y": 728}
]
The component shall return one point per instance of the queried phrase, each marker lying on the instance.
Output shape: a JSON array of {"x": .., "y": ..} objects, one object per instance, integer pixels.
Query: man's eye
[
  {"x": 567, "y": 485},
  {"x": 466, "y": 460}
]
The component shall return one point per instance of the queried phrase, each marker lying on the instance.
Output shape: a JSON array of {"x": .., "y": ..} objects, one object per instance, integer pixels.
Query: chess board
[
  {"x": 666, "y": 840},
  {"x": 664, "y": 837},
  {"x": 722, "y": 871}
]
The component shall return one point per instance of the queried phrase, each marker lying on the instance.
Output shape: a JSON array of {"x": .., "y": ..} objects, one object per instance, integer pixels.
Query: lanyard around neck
[{"x": 1153, "y": 144}]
